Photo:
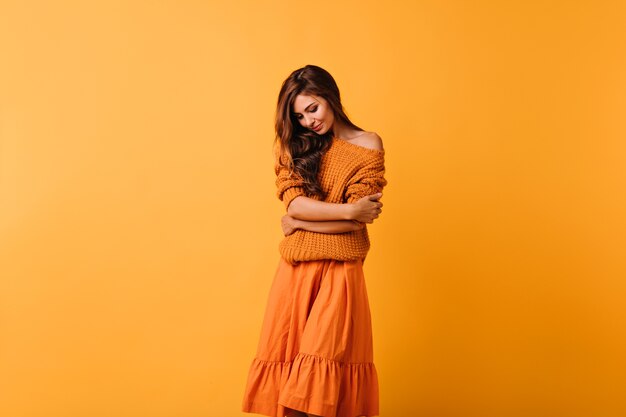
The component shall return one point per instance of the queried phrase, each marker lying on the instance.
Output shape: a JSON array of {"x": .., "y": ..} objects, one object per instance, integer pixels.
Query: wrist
[{"x": 348, "y": 212}]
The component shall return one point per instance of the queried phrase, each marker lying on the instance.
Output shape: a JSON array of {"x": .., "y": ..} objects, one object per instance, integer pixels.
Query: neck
[{"x": 340, "y": 130}]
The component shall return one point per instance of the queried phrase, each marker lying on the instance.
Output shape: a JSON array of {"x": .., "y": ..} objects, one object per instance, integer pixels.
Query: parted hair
[{"x": 301, "y": 149}]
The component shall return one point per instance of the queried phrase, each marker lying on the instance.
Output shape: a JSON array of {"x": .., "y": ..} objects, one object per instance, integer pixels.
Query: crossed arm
[
  {"x": 310, "y": 214},
  {"x": 322, "y": 217}
]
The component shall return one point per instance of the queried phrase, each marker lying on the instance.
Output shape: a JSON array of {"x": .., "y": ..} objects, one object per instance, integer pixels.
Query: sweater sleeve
[
  {"x": 369, "y": 179},
  {"x": 288, "y": 185}
]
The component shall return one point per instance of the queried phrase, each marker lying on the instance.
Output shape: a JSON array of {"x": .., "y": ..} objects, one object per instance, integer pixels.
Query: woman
[{"x": 315, "y": 353}]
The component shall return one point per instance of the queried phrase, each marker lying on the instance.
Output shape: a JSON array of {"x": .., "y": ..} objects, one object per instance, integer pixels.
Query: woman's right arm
[
  {"x": 364, "y": 210},
  {"x": 306, "y": 208}
]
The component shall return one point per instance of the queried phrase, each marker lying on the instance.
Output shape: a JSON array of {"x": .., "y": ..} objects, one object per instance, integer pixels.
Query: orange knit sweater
[{"x": 347, "y": 173}]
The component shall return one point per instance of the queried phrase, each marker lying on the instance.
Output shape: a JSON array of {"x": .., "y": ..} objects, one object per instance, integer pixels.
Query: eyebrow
[{"x": 306, "y": 108}]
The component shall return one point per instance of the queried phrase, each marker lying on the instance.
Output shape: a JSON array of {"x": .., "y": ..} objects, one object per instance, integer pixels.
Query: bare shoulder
[{"x": 370, "y": 140}]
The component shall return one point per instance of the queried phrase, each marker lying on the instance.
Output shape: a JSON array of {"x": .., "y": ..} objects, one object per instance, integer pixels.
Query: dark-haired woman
[{"x": 315, "y": 352}]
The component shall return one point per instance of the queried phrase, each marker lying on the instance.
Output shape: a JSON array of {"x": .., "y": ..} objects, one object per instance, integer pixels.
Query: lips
[{"x": 317, "y": 127}]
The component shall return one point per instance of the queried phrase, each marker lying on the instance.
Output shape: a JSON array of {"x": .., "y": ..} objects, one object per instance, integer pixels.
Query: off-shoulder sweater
[{"x": 347, "y": 173}]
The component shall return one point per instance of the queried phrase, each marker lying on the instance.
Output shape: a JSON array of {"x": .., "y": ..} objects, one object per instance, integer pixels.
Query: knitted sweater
[{"x": 347, "y": 173}]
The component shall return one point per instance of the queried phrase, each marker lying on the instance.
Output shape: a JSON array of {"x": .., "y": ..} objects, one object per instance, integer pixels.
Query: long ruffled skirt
[{"x": 315, "y": 352}]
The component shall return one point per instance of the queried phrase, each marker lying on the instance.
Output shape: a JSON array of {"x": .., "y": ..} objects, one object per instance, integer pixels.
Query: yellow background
[{"x": 139, "y": 225}]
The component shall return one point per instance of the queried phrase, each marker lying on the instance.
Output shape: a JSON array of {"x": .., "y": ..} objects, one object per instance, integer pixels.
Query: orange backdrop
[{"x": 139, "y": 225}]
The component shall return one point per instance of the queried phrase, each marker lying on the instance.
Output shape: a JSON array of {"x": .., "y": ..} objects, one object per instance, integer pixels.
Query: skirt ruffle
[{"x": 315, "y": 352}]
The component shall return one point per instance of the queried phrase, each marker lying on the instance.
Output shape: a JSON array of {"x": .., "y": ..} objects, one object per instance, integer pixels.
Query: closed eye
[{"x": 313, "y": 110}]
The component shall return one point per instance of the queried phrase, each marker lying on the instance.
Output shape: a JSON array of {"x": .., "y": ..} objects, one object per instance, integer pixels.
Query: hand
[
  {"x": 289, "y": 224},
  {"x": 367, "y": 208}
]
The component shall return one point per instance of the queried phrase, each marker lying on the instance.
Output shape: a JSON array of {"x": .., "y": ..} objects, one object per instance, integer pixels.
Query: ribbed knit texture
[{"x": 347, "y": 173}]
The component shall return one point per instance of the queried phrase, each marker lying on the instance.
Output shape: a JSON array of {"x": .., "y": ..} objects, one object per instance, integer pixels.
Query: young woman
[{"x": 315, "y": 353}]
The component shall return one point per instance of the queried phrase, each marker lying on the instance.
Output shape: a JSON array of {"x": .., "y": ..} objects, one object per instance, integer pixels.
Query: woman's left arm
[{"x": 291, "y": 224}]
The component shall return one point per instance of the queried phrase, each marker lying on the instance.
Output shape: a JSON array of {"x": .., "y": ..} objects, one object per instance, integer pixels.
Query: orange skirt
[{"x": 315, "y": 352}]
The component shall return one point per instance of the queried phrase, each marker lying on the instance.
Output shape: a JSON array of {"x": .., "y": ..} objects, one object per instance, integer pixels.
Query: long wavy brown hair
[{"x": 301, "y": 149}]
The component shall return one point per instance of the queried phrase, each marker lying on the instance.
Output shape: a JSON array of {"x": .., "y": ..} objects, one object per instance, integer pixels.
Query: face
[{"x": 313, "y": 112}]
